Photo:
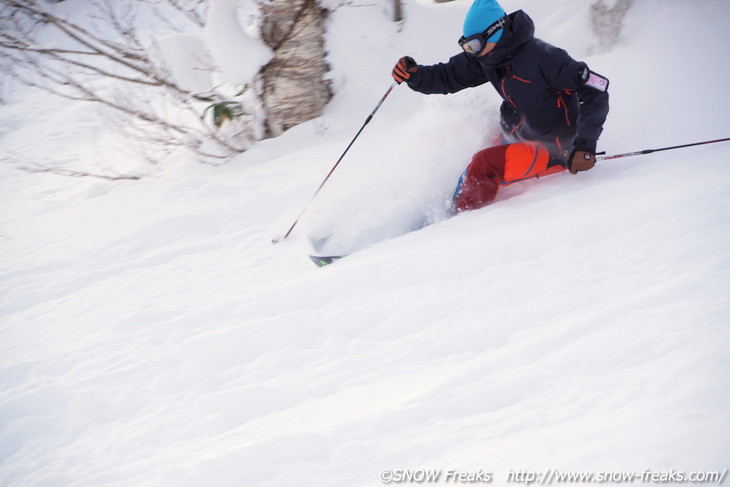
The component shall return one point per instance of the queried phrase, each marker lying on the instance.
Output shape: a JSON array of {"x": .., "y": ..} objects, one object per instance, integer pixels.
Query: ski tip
[{"x": 322, "y": 261}]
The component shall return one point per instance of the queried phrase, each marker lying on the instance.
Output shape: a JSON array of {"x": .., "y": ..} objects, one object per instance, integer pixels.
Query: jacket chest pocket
[{"x": 515, "y": 89}]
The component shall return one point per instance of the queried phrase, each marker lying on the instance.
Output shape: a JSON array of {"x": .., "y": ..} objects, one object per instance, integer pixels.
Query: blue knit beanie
[{"x": 481, "y": 15}]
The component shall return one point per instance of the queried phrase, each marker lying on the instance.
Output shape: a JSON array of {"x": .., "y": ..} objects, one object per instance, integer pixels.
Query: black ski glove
[{"x": 404, "y": 69}]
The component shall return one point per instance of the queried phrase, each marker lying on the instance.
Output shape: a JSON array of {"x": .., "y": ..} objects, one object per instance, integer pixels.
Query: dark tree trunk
[{"x": 397, "y": 11}]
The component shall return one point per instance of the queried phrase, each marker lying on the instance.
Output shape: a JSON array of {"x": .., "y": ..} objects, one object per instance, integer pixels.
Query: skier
[{"x": 553, "y": 110}]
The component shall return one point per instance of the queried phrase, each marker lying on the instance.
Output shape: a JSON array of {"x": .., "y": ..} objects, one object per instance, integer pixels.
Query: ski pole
[
  {"x": 367, "y": 121},
  {"x": 603, "y": 157}
]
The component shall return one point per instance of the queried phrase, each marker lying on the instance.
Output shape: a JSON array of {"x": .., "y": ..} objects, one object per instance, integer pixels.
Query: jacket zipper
[
  {"x": 504, "y": 91},
  {"x": 561, "y": 104}
]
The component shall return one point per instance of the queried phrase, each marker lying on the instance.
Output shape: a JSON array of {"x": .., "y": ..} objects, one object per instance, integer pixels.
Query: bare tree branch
[
  {"x": 76, "y": 174},
  {"x": 112, "y": 50}
]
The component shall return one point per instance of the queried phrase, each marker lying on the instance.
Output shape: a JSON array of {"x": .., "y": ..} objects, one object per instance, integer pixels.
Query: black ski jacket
[{"x": 544, "y": 98}]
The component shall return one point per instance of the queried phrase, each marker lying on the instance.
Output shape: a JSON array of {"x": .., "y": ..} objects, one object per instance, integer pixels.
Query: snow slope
[{"x": 151, "y": 335}]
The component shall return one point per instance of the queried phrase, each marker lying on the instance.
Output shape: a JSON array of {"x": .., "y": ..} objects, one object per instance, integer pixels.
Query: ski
[{"x": 322, "y": 261}]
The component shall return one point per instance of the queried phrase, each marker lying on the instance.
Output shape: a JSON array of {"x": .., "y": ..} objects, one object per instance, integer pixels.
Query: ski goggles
[{"x": 474, "y": 44}]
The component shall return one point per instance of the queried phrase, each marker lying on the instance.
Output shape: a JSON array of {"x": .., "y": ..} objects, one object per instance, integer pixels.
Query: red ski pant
[{"x": 497, "y": 166}]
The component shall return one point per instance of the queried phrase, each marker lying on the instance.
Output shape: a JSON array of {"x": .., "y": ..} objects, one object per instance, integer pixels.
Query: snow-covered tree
[
  {"x": 207, "y": 83},
  {"x": 607, "y": 19},
  {"x": 294, "y": 86},
  {"x": 103, "y": 55}
]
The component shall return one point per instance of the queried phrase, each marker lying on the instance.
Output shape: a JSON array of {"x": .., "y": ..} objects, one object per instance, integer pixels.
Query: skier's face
[{"x": 487, "y": 49}]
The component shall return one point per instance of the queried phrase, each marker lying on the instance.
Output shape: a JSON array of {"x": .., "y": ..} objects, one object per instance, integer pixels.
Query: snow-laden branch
[{"x": 89, "y": 53}]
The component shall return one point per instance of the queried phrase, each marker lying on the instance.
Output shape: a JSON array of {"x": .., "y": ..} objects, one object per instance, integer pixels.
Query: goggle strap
[{"x": 494, "y": 28}]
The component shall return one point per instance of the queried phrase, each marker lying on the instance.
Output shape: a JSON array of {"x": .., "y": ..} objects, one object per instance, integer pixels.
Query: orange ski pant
[{"x": 498, "y": 166}]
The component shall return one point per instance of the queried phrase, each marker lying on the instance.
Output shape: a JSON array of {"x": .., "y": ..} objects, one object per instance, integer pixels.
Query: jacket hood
[{"x": 518, "y": 30}]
